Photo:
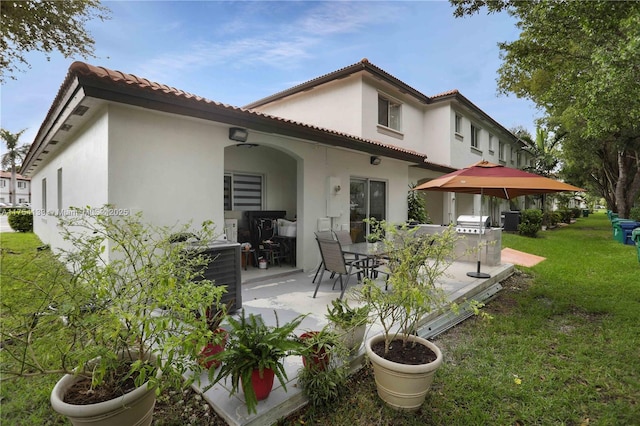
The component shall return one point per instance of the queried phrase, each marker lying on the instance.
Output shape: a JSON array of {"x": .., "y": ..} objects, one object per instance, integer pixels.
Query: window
[
  {"x": 458, "y": 124},
  {"x": 242, "y": 191},
  {"x": 60, "y": 188},
  {"x": 518, "y": 159},
  {"x": 475, "y": 136},
  {"x": 22, "y": 184},
  {"x": 501, "y": 150},
  {"x": 491, "y": 143},
  {"x": 44, "y": 194},
  {"x": 3, "y": 183},
  {"x": 368, "y": 198},
  {"x": 511, "y": 154},
  {"x": 388, "y": 113}
]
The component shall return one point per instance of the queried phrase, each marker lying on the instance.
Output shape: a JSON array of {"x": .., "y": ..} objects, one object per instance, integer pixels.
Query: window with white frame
[
  {"x": 501, "y": 150},
  {"x": 389, "y": 113},
  {"x": 518, "y": 159},
  {"x": 44, "y": 194},
  {"x": 22, "y": 184},
  {"x": 243, "y": 191},
  {"x": 491, "y": 143},
  {"x": 458, "y": 124},
  {"x": 475, "y": 136},
  {"x": 3, "y": 183},
  {"x": 60, "y": 189}
]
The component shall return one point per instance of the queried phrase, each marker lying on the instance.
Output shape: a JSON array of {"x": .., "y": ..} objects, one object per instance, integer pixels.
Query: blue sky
[{"x": 238, "y": 52}]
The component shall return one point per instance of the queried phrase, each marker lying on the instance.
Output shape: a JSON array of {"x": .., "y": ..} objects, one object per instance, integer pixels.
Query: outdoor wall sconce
[
  {"x": 375, "y": 160},
  {"x": 238, "y": 134},
  {"x": 337, "y": 188}
]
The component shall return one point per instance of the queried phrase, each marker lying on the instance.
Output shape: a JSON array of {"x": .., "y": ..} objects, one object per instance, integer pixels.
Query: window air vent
[
  {"x": 66, "y": 127},
  {"x": 53, "y": 142}
]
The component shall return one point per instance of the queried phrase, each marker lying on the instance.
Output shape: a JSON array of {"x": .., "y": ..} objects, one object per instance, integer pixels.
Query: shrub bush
[
  {"x": 21, "y": 220},
  {"x": 634, "y": 214},
  {"x": 565, "y": 215},
  {"x": 576, "y": 212},
  {"x": 530, "y": 222},
  {"x": 550, "y": 219}
]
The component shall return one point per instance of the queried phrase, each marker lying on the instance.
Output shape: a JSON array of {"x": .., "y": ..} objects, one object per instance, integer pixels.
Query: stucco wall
[
  {"x": 335, "y": 105},
  {"x": 84, "y": 177},
  {"x": 169, "y": 167}
]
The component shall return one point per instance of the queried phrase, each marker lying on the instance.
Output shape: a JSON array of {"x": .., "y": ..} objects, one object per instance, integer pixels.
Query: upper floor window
[
  {"x": 475, "y": 136},
  {"x": 22, "y": 184},
  {"x": 518, "y": 159},
  {"x": 458, "y": 124},
  {"x": 490, "y": 142},
  {"x": 501, "y": 150},
  {"x": 388, "y": 113},
  {"x": 3, "y": 183}
]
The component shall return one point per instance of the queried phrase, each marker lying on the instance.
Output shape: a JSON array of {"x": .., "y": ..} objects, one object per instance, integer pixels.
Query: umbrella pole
[{"x": 478, "y": 274}]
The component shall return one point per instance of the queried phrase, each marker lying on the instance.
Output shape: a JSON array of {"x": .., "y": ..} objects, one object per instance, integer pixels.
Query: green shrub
[
  {"x": 550, "y": 219},
  {"x": 634, "y": 214},
  {"x": 530, "y": 222},
  {"x": 576, "y": 212},
  {"x": 21, "y": 220},
  {"x": 565, "y": 215}
]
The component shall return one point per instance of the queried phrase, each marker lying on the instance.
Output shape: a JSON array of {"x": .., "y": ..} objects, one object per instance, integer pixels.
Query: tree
[
  {"x": 580, "y": 62},
  {"x": 45, "y": 26},
  {"x": 15, "y": 154}
]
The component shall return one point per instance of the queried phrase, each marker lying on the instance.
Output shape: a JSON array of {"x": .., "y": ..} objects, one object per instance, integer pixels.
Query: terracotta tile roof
[
  {"x": 7, "y": 175},
  {"x": 118, "y": 86}
]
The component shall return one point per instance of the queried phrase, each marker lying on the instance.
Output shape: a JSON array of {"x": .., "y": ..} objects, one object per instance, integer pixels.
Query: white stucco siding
[
  {"x": 83, "y": 161},
  {"x": 438, "y": 130},
  {"x": 168, "y": 166},
  {"x": 410, "y": 135},
  {"x": 335, "y": 105}
]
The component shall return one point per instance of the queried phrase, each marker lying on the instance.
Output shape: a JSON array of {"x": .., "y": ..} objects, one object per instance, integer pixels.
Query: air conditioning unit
[{"x": 231, "y": 230}]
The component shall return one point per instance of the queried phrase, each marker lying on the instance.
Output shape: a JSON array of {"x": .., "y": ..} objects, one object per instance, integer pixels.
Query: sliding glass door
[{"x": 368, "y": 199}]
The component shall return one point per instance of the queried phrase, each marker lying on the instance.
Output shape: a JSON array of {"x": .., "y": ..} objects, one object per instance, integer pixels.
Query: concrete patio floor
[{"x": 289, "y": 292}]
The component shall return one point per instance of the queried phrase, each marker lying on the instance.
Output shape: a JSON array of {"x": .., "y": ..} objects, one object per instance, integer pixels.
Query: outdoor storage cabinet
[
  {"x": 635, "y": 235},
  {"x": 511, "y": 221}
]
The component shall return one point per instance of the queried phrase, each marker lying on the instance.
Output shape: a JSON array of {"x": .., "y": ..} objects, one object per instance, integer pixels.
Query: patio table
[{"x": 370, "y": 251}]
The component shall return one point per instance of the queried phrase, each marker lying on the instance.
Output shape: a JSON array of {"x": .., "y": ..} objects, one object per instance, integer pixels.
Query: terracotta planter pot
[
  {"x": 133, "y": 408},
  {"x": 401, "y": 386},
  {"x": 320, "y": 359},
  {"x": 262, "y": 385},
  {"x": 212, "y": 349}
]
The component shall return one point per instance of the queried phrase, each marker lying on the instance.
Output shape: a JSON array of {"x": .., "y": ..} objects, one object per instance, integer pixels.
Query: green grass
[{"x": 563, "y": 347}]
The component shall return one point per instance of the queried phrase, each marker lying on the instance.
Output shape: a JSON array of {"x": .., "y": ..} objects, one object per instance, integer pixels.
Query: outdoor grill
[{"x": 468, "y": 224}]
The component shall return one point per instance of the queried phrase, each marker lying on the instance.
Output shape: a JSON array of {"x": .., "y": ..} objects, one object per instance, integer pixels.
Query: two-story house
[
  {"x": 23, "y": 189},
  {"x": 334, "y": 150}
]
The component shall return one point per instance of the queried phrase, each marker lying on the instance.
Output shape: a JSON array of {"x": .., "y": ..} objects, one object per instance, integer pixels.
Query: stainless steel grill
[{"x": 467, "y": 224}]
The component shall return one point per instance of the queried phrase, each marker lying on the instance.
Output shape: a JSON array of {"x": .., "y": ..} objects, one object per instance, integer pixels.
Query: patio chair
[
  {"x": 334, "y": 262},
  {"x": 322, "y": 235}
]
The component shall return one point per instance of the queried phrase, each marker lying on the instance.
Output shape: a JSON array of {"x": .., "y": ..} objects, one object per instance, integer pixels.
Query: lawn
[{"x": 563, "y": 347}]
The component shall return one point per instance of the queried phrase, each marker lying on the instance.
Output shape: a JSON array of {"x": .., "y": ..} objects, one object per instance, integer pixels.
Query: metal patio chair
[
  {"x": 322, "y": 235},
  {"x": 334, "y": 262}
]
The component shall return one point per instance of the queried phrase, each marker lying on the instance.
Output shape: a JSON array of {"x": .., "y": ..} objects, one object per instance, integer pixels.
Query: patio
[{"x": 289, "y": 291}]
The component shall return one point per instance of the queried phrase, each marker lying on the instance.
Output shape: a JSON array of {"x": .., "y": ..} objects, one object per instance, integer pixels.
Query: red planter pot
[
  {"x": 262, "y": 385},
  {"x": 320, "y": 359},
  {"x": 212, "y": 349}
]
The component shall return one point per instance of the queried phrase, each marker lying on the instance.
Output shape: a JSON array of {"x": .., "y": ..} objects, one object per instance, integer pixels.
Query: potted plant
[
  {"x": 403, "y": 363},
  {"x": 348, "y": 322},
  {"x": 254, "y": 356},
  {"x": 325, "y": 366},
  {"x": 126, "y": 300},
  {"x": 213, "y": 317}
]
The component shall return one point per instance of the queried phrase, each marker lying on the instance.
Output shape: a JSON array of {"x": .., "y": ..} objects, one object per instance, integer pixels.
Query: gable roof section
[
  {"x": 365, "y": 65},
  {"x": 88, "y": 81}
]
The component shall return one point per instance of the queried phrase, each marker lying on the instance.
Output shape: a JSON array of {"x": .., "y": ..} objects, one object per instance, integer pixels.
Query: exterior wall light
[
  {"x": 375, "y": 160},
  {"x": 238, "y": 134}
]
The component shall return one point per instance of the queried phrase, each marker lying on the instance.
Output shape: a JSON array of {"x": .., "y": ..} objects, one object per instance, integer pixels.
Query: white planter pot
[
  {"x": 402, "y": 386},
  {"x": 133, "y": 408},
  {"x": 352, "y": 338}
]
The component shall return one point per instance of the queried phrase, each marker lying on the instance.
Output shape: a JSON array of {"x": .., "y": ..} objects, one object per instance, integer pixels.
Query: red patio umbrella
[{"x": 487, "y": 178}]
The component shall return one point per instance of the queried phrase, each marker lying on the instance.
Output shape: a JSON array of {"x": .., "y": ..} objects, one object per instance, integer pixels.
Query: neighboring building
[
  {"x": 23, "y": 189},
  {"x": 344, "y": 146}
]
